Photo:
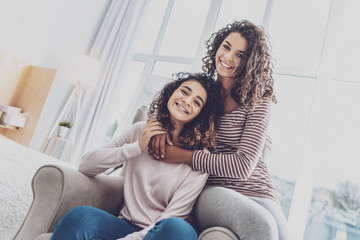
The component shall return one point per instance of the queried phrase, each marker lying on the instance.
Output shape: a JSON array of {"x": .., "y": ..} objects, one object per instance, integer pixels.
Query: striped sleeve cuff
[{"x": 196, "y": 160}]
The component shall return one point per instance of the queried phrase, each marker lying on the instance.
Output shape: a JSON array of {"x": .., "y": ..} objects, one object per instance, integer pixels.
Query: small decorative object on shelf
[
  {"x": 64, "y": 127},
  {"x": 11, "y": 117}
]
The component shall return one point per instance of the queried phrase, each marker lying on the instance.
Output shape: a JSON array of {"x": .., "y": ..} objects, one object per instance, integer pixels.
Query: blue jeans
[{"x": 87, "y": 223}]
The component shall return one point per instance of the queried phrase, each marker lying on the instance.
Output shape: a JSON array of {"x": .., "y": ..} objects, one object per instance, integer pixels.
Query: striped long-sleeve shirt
[{"x": 236, "y": 162}]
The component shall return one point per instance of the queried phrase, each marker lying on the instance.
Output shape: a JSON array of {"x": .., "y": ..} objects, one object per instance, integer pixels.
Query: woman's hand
[
  {"x": 177, "y": 155},
  {"x": 152, "y": 128},
  {"x": 157, "y": 145}
]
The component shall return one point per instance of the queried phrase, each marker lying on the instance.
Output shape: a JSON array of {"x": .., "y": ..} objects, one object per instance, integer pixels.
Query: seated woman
[{"x": 158, "y": 196}]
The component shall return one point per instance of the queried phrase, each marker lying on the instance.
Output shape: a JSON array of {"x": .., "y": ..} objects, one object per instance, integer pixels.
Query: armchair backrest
[{"x": 141, "y": 114}]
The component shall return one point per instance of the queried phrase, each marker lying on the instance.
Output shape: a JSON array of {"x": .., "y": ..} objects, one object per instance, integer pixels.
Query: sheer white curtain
[{"x": 113, "y": 48}]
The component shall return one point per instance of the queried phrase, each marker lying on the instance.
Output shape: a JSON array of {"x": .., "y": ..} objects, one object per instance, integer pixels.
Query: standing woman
[{"x": 239, "y": 194}]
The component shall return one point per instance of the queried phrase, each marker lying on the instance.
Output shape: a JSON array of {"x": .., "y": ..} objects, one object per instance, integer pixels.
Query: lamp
[
  {"x": 85, "y": 71},
  {"x": 84, "y": 75}
]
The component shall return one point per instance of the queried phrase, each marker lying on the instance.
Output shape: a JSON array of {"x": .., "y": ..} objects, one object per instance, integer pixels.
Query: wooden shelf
[
  {"x": 27, "y": 90},
  {"x": 8, "y": 127},
  {"x": 62, "y": 139},
  {"x": 55, "y": 139}
]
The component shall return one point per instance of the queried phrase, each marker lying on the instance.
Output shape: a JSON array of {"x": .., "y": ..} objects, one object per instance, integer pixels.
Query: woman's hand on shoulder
[
  {"x": 157, "y": 145},
  {"x": 151, "y": 128},
  {"x": 177, "y": 155}
]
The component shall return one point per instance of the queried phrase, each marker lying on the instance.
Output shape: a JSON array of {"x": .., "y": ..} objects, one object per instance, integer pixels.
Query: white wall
[{"x": 50, "y": 33}]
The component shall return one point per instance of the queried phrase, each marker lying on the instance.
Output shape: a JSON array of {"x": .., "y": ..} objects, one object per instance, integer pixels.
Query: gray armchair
[{"x": 58, "y": 189}]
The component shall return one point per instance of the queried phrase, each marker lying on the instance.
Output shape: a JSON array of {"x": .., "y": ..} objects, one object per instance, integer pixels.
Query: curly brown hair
[
  {"x": 201, "y": 131},
  {"x": 253, "y": 80}
]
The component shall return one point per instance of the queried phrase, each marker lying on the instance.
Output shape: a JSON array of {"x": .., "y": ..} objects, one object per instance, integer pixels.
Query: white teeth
[
  {"x": 182, "y": 108},
  {"x": 224, "y": 64}
]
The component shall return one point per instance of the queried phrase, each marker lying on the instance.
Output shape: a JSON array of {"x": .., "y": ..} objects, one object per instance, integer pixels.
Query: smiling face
[
  {"x": 186, "y": 102},
  {"x": 229, "y": 55}
]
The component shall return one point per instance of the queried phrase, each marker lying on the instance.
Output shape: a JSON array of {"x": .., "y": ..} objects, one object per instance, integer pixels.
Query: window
[
  {"x": 167, "y": 43},
  {"x": 334, "y": 208},
  {"x": 231, "y": 10},
  {"x": 335, "y": 201},
  {"x": 288, "y": 126},
  {"x": 151, "y": 26},
  {"x": 184, "y": 28},
  {"x": 166, "y": 69},
  {"x": 297, "y": 30},
  {"x": 346, "y": 64}
]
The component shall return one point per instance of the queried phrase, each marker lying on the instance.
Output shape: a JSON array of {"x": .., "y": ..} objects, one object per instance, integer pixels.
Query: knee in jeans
[
  {"x": 174, "y": 223},
  {"x": 178, "y": 227},
  {"x": 78, "y": 212},
  {"x": 79, "y": 215},
  {"x": 79, "y": 223}
]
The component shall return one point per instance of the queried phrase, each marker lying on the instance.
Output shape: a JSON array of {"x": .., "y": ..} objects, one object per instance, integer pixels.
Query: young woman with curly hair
[
  {"x": 239, "y": 194},
  {"x": 200, "y": 131},
  {"x": 157, "y": 196}
]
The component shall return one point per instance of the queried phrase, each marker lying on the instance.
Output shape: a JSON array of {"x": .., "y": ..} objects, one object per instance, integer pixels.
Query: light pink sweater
[{"x": 153, "y": 190}]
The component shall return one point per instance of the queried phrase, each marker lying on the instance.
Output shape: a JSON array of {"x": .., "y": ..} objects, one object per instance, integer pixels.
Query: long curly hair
[
  {"x": 199, "y": 132},
  {"x": 253, "y": 79}
]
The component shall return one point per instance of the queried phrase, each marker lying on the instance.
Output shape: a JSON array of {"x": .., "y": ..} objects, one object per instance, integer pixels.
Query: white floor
[{"x": 18, "y": 165}]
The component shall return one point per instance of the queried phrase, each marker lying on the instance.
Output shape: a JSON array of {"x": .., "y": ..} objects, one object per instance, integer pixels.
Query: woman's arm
[
  {"x": 157, "y": 145},
  {"x": 130, "y": 144},
  {"x": 112, "y": 154},
  {"x": 177, "y": 155},
  {"x": 239, "y": 164}
]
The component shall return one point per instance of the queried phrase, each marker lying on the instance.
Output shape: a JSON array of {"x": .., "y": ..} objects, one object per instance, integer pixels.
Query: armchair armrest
[
  {"x": 57, "y": 189},
  {"x": 214, "y": 233}
]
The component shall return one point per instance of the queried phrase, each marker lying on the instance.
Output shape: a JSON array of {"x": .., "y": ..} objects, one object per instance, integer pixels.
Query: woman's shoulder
[
  {"x": 262, "y": 110},
  {"x": 241, "y": 111},
  {"x": 263, "y": 103},
  {"x": 137, "y": 129}
]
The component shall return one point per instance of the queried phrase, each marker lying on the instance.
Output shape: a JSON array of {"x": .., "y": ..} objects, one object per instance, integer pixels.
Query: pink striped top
[{"x": 236, "y": 162}]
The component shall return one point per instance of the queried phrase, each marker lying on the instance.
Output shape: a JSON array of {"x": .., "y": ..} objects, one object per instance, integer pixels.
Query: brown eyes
[
  {"x": 226, "y": 47},
  {"x": 184, "y": 92},
  {"x": 239, "y": 55}
]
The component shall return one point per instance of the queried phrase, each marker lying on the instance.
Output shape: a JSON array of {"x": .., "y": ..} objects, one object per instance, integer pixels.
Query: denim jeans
[{"x": 88, "y": 223}]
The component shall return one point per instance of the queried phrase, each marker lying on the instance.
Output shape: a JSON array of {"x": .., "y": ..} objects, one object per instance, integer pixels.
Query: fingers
[
  {"x": 168, "y": 140},
  {"x": 162, "y": 145},
  {"x": 153, "y": 129},
  {"x": 158, "y": 140},
  {"x": 149, "y": 146},
  {"x": 157, "y": 147},
  {"x": 146, "y": 135},
  {"x": 153, "y": 122},
  {"x": 152, "y": 146}
]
